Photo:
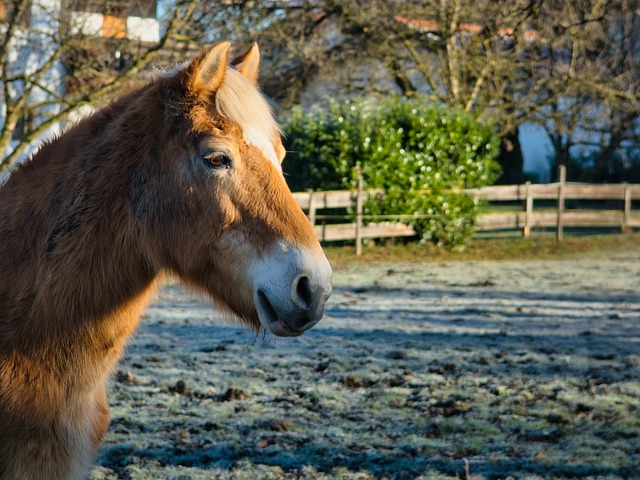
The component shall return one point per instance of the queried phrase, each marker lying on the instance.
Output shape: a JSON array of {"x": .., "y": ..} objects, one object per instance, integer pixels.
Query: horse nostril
[{"x": 303, "y": 292}]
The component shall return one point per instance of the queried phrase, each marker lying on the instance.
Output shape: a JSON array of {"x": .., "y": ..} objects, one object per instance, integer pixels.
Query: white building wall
[
  {"x": 86, "y": 23},
  {"x": 143, "y": 29},
  {"x": 138, "y": 28},
  {"x": 30, "y": 50}
]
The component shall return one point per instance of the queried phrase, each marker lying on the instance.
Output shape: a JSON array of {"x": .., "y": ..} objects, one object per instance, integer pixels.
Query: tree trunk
[{"x": 511, "y": 160}]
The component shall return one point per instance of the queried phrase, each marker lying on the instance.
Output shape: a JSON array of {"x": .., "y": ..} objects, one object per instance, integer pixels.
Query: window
[{"x": 116, "y": 8}]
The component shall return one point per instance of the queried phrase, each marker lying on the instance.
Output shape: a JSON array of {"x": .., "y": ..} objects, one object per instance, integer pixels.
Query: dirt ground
[{"x": 486, "y": 369}]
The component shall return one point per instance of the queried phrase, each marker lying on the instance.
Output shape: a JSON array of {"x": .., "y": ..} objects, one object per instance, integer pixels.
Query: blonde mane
[{"x": 239, "y": 99}]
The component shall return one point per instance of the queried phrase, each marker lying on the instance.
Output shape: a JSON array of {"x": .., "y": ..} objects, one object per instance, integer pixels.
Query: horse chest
[{"x": 85, "y": 420}]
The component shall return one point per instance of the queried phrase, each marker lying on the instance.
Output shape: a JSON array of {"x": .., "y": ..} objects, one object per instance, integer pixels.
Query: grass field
[
  {"x": 494, "y": 247},
  {"x": 513, "y": 359}
]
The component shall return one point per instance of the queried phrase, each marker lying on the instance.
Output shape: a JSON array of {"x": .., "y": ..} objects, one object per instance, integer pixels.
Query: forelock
[{"x": 239, "y": 100}]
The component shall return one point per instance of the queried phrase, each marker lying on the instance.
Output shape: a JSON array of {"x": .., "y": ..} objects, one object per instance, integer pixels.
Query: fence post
[
  {"x": 626, "y": 215},
  {"x": 359, "y": 209},
  {"x": 312, "y": 207},
  {"x": 528, "y": 212},
  {"x": 562, "y": 177}
]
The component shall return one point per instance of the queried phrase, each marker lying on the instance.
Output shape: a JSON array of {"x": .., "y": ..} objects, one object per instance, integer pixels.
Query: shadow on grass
[
  {"x": 323, "y": 459},
  {"x": 511, "y": 381}
]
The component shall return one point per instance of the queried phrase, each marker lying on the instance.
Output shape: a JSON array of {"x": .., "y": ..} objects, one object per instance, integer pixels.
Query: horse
[{"x": 180, "y": 177}]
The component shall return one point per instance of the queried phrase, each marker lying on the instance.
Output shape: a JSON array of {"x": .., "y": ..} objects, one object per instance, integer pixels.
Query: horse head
[{"x": 224, "y": 219}]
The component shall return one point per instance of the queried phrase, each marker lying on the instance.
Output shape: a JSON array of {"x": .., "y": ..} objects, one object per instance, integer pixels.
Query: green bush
[{"x": 418, "y": 153}]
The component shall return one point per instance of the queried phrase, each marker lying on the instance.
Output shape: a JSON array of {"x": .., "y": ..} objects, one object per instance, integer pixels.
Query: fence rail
[
  {"x": 576, "y": 191},
  {"x": 624, "y": 218},
  {"x": 312, "y": 201},
  {"x": 525, "y": 220}
]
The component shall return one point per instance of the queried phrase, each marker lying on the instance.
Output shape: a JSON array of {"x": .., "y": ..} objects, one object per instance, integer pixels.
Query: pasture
[{"x": 445, "y": 369}]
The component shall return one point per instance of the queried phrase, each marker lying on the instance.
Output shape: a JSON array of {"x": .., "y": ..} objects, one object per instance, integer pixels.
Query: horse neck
[{"x": 71, "y": 261}]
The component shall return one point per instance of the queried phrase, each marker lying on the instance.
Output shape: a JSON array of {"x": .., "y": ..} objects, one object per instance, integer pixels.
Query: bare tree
[
  {"x": 52, "y": 63},
  {"x": 571, "y": 67},
  {"x": 591, "y": 77},
  {"x": 453, "y": 51}
]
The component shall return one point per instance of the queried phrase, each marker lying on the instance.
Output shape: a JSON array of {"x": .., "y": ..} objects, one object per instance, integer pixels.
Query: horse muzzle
[{"x": 292, "y": 288}]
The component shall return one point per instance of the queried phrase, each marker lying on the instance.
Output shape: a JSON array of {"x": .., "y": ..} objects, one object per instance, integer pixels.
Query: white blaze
[{"x": 261, "y": 140}]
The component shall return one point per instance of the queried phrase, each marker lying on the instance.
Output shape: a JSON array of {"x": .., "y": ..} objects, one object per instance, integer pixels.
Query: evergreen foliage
[{"x": 420, "y": 154}]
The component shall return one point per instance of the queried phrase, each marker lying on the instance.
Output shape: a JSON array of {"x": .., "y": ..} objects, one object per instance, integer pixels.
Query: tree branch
[{"x": 183, "y": 13}]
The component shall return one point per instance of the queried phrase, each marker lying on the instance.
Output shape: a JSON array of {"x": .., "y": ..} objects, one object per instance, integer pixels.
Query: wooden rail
[
  {"x": 559, "y": 217},
  {"x": 356, "y": 230}
]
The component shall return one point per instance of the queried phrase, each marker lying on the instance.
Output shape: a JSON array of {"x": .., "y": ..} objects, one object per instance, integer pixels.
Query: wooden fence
[
  {"x": 557, "y": 217},
  {"x": 312, "y": 201}
]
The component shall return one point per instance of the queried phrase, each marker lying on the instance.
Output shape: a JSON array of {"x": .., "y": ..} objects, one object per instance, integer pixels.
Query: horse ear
[
  {"x": 209, "y": 68},
  {"x": 249, "y": 63}
]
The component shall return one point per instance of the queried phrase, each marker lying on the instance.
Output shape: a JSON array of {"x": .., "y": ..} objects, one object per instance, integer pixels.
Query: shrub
[{"x": 418, "y": 153}]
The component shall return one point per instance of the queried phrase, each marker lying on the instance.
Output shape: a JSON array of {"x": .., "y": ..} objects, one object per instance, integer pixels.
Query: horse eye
[{"x": 217, "y": 160}]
